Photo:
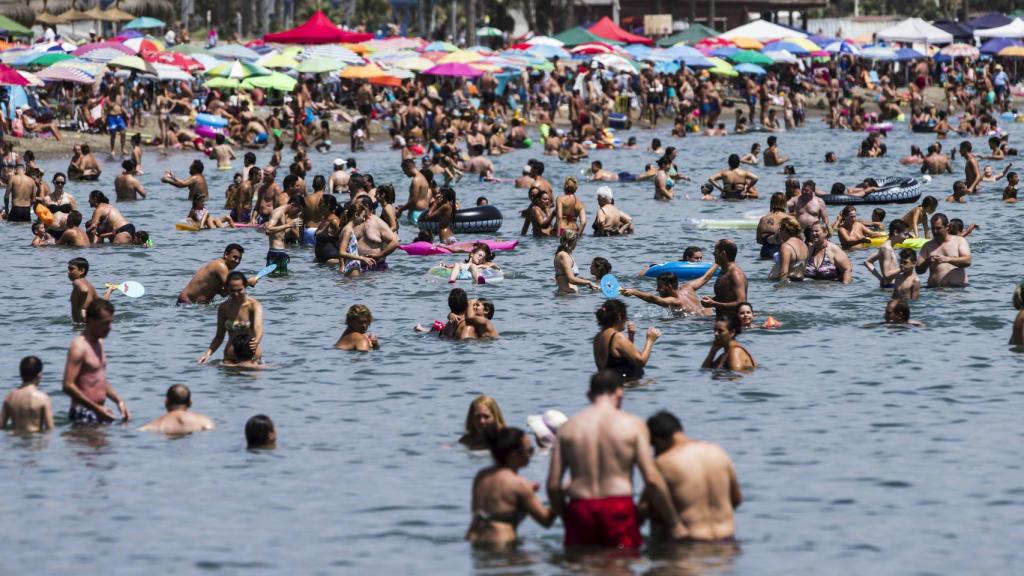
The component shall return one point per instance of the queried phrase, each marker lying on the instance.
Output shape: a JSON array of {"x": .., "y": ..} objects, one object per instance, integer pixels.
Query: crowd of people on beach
[{"x": 440, "y": 135}]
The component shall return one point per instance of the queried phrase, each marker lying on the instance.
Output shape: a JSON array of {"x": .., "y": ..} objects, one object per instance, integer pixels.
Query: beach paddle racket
[
  {"x": 610, "y": 286},
  {"x": 129, "y": 288},
  {"x": 266, "y": 271}
]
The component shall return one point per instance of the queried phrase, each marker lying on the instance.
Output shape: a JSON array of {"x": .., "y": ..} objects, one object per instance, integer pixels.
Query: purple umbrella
[
  {"x": 86, "y": 48},
  {"x": 994, "y": 45},
  {"x": 456, "y": 69},
  {"x": 66, "y": 74}
]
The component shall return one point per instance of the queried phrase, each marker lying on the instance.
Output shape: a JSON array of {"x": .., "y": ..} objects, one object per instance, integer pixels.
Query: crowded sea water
[{"x": 514, "y": 324}]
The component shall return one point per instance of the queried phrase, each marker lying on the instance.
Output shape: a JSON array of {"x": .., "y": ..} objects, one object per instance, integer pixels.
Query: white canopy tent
[
  {"x": 1014, "y": 29},
  {"x": 915, "y": 30},
  {"x": 762, "y": 31}
]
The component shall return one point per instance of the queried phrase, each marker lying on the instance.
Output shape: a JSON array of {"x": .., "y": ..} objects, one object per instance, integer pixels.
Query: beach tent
[
  {"x": 317, "y": 30},
  {"x": 695, "y": 33},
  {"x": 1014, "y": 29},
  {"x": 915, "y": 30},
  {"x": 762, "y": 31},
  {"x": 960, "y": 31},
  {"x": 990, "y": 20},
  {"x": 580, "y": 35},
  {"x": 607, "y": 29}
]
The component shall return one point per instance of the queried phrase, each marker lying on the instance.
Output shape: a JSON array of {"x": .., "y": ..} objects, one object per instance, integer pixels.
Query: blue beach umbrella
[
  {"x": 790, "y": 47},
  {"x": 746, "y": 68},
  {"x": 841, "y": 47},
  {"x": 724, "y": 51},
  {"x": 145, "y": 22},
  {"x": 994, "y": 45}
]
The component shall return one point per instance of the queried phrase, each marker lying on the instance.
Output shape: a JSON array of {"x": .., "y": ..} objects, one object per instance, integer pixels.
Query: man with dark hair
[
  {"x": 681, "y": 299},
  {"x": 972, "y": 172},
  {"x": 419, "y": 192},
  {"x": 808, "y": 208},
  {"x": 83, "y": 293},
  {"x": 731, "y": 286},
  {"x": 599, "y": 447},
  {"x": 126, "y": 185},
  {"x": 897, "y": 311},
  {"x": 196, "y": 182},
  {"x": 734, "y": 182},
  {"x": 888, "y": 264},
  {"x": 85, "y": 373},
  {"x": 313, "y": 210},
  {"x": 260, "y": 433},
  {"x": 223, "y": 153},
  {"x": 178, "y": 419},
  {"x": 946, "y": 256},
  {"x": 283, "y": 220},
  {"x": 26, "y": 408},
  {"x": 771, "y": 153},
  {"x": 701, "y": 480},
  {"x": 211, "y": 279}
]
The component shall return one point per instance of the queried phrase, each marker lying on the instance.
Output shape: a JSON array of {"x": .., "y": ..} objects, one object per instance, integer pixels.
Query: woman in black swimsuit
[
  {"x": 616, "y": 351},
  {"x": 328, "y": 234}
]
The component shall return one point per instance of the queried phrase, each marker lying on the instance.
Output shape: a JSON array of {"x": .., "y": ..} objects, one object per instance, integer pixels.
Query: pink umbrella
[
  {"x": 10, "y": 77},
  {"x": 66, "y": 74},
  {"x": 176, "y": 59},
  {"x": 86, "y": 48},
  {"x": 456, "y": 69},
  {"x": 593, "y": 48}
]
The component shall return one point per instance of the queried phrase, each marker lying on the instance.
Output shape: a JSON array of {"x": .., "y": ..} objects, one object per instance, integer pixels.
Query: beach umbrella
[
  {"x": 783, "y": 56},
  {"x": 167, "y": 72},
  {"x": 400, "y": 74},
  {"x": 32, "y": 79},
  {"x": 331, "y": 52},
  {"x": 272, "y": 81},
  {"x": 238, "y": 70},
  {"x": 616, "y": 63},
  {"x": 462, "y": 56},
  {"x": 454, "y": 69},
  {"x": 547, "y": 51},
  {"x": 58, "y": 73},
  {"x": 722, "y": 68},
  {"x": 908, "y": 54},
  {"x": 545, "y": 41},
  {"x": 724, "y": 51},
  {"x": 222, "y": 83},
  {"x": 749, "y": 69},
  {"x": 878, "y": 53},
  {"x": 841, "y": 47},
  {"x": 591, "y": 48},
  {"x": 806, "y": 43},
  {"x": 750, "y": 57},
  {"x": 960, "y": 50},
  {"x": 440, "y": 47},
  {"x": 319, "y": 65},
  {"x": 42, "y": 59},
  {"x": 132, "y": 63},
  {"x": 280, "y": 61},
  {"x": 486, "y": 66},
  {"x": 488, "y": 31},
  {"x": 143, "y": 44},
  {"x": 791, "y": 47},
  {"x": 103, "y": 55},
  {"x": 234, "y": 52},
  {"x": 187, "y": 49},
  {"x": 145, "y": 22},
  {"x": 388, "y": 81},
  {"x": 415, "y": 63},
  {"x": 712, "y": 42},
  {"x": 176, "y": 59},
  {"x": 84, "y": 50},
  {"x": 747, "y": 43},
  {"x": 482, "y": 50},
  {"x": 206, "y": 61},
  {"x": 370, "y": 71},
  {"x": 10, "y": 77},
  {"x": 1012, "y": 52},
  {"x": 994, "y": 45}
]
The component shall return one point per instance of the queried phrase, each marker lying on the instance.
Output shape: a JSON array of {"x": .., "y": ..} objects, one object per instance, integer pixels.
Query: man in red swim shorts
[{"x": 600, "y": 446}]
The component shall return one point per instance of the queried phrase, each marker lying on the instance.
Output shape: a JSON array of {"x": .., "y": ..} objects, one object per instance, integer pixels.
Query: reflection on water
[{"x": 867, "y": 450}]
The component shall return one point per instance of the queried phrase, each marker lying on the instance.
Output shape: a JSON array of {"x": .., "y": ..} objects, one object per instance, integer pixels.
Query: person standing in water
[
  {"x": 26, "y": 408},
  {"x": 566, "y": 272},
  {"x": 179, "y": 419},
  {"x": 731, "y": 286},
  {"x": 85, "y": 373},
  {"x": 946, "y": 256}
]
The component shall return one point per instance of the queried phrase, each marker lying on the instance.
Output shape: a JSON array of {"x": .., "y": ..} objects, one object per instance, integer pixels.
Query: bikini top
[{"x": 824, "y": 271}]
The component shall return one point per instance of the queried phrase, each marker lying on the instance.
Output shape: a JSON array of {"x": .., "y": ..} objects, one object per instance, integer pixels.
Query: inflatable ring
[
  {"x": 476, "y": 220},
  {"x": 892, "y": 190},
  {"x": 880, "y": 127},
  {"x": 926, "y": 128},
  {"x": 682, "y": 270},
  {"x": 44, "y": 214},
  {"x": 915, "y": 243},
  {"x": 207, "y": 132},
  {"x": 211, "y": 120},
  {"x": 490, "y": 275}
]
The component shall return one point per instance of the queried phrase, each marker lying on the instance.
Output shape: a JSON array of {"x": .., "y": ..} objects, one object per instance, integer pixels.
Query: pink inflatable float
[{"x": 428, "y": 249}]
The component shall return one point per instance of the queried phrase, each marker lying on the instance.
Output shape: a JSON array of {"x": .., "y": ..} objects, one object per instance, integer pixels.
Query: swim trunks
[
  {"x": 242, "y": 218},
  {"x": 609, "y": 522},
  {"x": 281, "y": 258},
  {"x": 82, "y": 415},
  {"x": 414, "y": 216},
  {"x": 20, "y": 214},
  {"x": 115, "y": 123},
  {"x": 261, "y": 138}
]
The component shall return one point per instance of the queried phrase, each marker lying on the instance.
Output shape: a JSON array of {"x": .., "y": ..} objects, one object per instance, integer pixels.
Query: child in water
[
  {"x": 907, "y": 284},
  {"x": 480, "y": 258},
  {"x": 200, "y": 217},
  {"x": 1010, "y": 192}
]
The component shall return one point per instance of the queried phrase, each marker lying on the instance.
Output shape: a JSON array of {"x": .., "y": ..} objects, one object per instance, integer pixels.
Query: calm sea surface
[{"x": 860, "y": 450}]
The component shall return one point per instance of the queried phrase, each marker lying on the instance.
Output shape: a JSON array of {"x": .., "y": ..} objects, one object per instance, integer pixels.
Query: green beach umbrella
[
  {"x": 751, "y": 57},
  {"x": 488, "y": 31},
  {"x": 238, "y": 70},
  {"x": 50, "y": 58},
  {"x": 319, "y": 65},
  {"x": 272, "y": 81},
  {"x": 722, "y": 68},
  {"x": 222, "y": 83}
]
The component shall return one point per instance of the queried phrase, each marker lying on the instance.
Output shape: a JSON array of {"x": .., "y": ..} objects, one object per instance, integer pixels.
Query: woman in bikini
[
  {"x": 107, "y": 222},
  {"x": 734, "y": 356},
  {"x": 572, "y": 216},
  {"x": 501, "y": 497},
  {"x": 352, "y": 264},
  {"x": 241, "y": 319},
  {"x": 792, "y": 255},
  {"x": 826, "y": 261},
  {"x": 616, "y": 351},
  {"x": 566, "y": 273},
  {"x": 853, "y": 234},
  {"x": 768, "y": 226}
]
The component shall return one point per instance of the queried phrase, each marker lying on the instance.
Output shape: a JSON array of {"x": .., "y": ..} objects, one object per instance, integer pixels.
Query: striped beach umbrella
[{"x": 238, "y": 70}]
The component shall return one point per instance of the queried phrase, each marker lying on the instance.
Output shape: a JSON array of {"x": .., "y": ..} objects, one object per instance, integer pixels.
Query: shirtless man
[
  {"x": 240, "y": 203},
  {"x": 731, "y": 286},
  {"x": 178, "y": 420},
  {"x": 972, "y": 172},
  {"x": 340, "y": 176},
  {"x": 946, "y": 256},
  {"x": 114, "y": 116},
  {"x": 283, "y": 219},
  {"x": 83, "y": 165},
  {"x": 26, "y": 408},
  {"x": 196, "y": 182},
  {"x": 610, "y": 221},
  {"x": 419, "y": 192},
  {"x": 223, "y": 153},
  {"x": 21, "y": 189},
  {"x": 268, "y": 192},
  {"x": 600, "y": 446},
  {"x": 126, "y": 185},
  {"x": 936, "y": 162},
  {"x": 599, "y": 174},
  {"x": 210, "y": 280},
  {"x": 681, "y": 299},
  {"x": 480, "y": 164},
  {"x": 85, "y": 373},
  {"x": 888, "y": 266},
  {"x": 314, "y": 210},
  {"x": 917, "y": 216},
  {"x": 736, "y": 183},
  {"x": 701, "y": 480},
  {"x": 83, "y": 293},
  {"x": 72, "y": 235},
  {"x": 540, "y": 181},
  {"x": 526, "y": 180},
  {"x": 807, "y": 207},
  {"x": 375, "y": 239},
  {"x": 771, "y": 153}
]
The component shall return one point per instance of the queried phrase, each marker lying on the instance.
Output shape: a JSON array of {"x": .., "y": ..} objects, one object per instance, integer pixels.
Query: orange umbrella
[
  {"x": 747, "y": 43},
  {"x": 390, "y": 81},
  {"x": 367, "y": 72},
  {"x": 357, "y": 48}
]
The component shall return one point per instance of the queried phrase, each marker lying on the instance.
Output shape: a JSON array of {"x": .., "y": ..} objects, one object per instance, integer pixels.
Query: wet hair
[
  {"x": 901, "y": 309},
  {"x": 386, "y": 194},
  {"x": 99, "y": 197},
  {"x": 255, "y": 173},
  {"x": 538, "y": 167},
  {"x": 319, "y": 183},
  {"x": 504, "y": 442},
  {"x": 357, "y": 182},
  {"x": 492, "y": 406},
  {"x": 60, "y": 175},
  {"x": 690, "y": 251},
  {"x": 597, "y": 164},
  {"x": 732, "y": 321},
  {"x": 809, "y": 183},
  {"x": 668, "y": 278},
  {"x": 219, "y": 138},
  {"x": 80, "y": 263},
  {"x": 488, "y": 254},
  {"x": 97, "y": 307},
  {"x": 663, "y": 425},
  {"x": 330, "y": 202},
  {"x": 791, "y": 226},
  {"x": 141, "y": 237},
  {"x": 956, "y": 226},
  {"x": 897, "y": 227},
  {"x": 482, "y": 201},
  {"x": 729, "y": 247},
  {"x": 734, "y": 161},
  {"x": 289, "y": 181},
  {"x": 74, "y": 219},
  {"x": 488, "y": 307},
  {"x": 407, "y": 163},
  {"x": 571, "y": 185},
  {"x": 838, "y": 188},
  {"x": 196, "y": 167},
  {"x": 1018, "y": 297},
  {"x": 234, "y": 246},
  {"x": 908, "y": 254},
  {"x": 567, "y": 243},
  {"x": 179, "y": 395},
  {"x": 86, "y": 149},
  {"x": 966, "y": 145},
  {"x": 959, "y": 188},
  {"x": 772, "y": 140},
  {"x": 29, "y": 368},
  {"x": 939, "y": 216},
  {"x": 605, "y": 381},
  {"x": 249, "y": 159},
  {"x": 610, "y": 313},
  {"x": 848, "y": 209},
  {"x": 358, "y": 313},
  {"x": 777, "y": 202},
  {"x": 235, "y": 275},
  {"x": 602, "y": 265},
  {"x": 458, "y": 302},
  {"x": 878, "y": 215},
  {"x": 258, "y": 430}
]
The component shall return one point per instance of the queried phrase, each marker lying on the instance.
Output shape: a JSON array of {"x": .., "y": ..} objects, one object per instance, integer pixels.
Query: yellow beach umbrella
[
  {"x": 803, "y": 43},
  {"x": 746, "y": 43},
  {"x": 722, "y": 68},
  {"x": 362, "y": 72},
  {"x": 415, "y": 63},
  {"x": 460, "y": 57},
  {"x": 1012, "y": 52},
  {"x": 278, "y": 61}
]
